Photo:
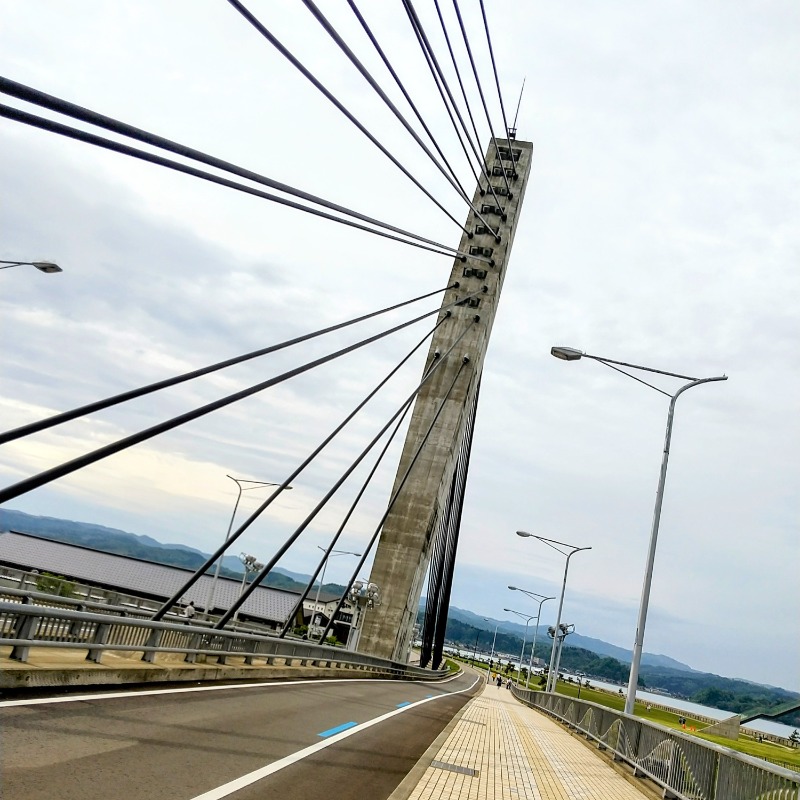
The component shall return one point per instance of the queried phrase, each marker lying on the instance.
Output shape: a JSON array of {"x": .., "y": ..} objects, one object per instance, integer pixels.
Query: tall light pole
[
  {"x": 360, "y": 590},
  {"x": 561, "y": 633},
  {"x": 239, "y": 485},
  {"x": 43, "y": 266},
  {"x": 571, "y": 549},
  {"x": 533, "y": 596},
  {"x": 250, "y": 564},
  {"x": 524, "y": 639},
  {"x": 571, "y": 354},
  {"x": 324, "y": 567},
  {"x": 477, "y": 636},
  {"x": 491, "y": 657}
]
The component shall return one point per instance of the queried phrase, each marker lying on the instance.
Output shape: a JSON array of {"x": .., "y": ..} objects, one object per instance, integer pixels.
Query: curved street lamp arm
[{"x": 608, "y": 361}]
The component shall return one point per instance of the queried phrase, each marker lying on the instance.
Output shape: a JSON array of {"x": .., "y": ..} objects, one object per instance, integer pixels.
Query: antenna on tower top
[{"x": 512, "y": 131}]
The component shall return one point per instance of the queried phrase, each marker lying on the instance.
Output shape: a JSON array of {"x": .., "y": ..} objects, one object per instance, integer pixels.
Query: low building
[{"x": 125, "y": 576}]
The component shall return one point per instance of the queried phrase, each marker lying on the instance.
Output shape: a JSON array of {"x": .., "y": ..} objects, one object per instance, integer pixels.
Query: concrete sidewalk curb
[
  {"x": 409, "y": 783},
  {"x": 50, "y": 674}
]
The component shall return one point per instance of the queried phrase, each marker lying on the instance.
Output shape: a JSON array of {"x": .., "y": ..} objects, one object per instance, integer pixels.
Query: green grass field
[{"x": 776, "y": 753}]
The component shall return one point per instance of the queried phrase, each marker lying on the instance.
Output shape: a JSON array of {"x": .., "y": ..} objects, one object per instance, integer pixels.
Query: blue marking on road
[
  {"x": 407, "y": 703},
  {"x": 337, "y": 729},
  {"x": 429, "y": 695}
]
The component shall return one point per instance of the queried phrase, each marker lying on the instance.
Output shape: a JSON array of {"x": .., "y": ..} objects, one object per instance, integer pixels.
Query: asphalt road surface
[{"x": 300, "y": 740}]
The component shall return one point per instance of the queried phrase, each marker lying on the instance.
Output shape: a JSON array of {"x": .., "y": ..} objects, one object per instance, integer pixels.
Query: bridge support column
[{"x": 411, "y": 528}]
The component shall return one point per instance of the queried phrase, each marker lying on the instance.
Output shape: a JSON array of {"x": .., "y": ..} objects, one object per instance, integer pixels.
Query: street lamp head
[
  {"x": 513, "y": 588},
  {"x": 47, "y": 266},
  {"x": 566, "y": 353},
  {"x": 525, "y": 534}
]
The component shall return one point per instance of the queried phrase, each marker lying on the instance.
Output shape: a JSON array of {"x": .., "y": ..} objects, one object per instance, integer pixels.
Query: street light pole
[
  {"x": 250, "y": 564},
  {"x": 533, "y": 596},
  {"x": 564, "y": 630},
  {"x": 555, "y": 544},
  {"x": 324, "y": 567},
  {"x": 238, "y": 481},
  {"x": 524, "y": 639},
  {"x": 475, "y": 648},
  {"x": 571, "y": 354},
  {"x": 491, "y": 657}
]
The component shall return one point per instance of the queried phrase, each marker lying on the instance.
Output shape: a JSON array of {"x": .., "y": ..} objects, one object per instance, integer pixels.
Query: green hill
[{"x": 123, "y": 543}]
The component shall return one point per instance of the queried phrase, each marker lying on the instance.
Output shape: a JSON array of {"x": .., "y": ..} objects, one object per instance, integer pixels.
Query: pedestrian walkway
[{"x": 499, "y": 749}]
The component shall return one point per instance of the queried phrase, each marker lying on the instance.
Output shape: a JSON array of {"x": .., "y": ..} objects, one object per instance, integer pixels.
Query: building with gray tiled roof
[{"x": 147, "y": 579}]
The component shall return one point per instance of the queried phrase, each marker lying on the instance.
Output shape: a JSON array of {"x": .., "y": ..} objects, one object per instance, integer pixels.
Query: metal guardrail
[
  {"x": 24, "y": 625},
  {"x": 686, "y": 767}
]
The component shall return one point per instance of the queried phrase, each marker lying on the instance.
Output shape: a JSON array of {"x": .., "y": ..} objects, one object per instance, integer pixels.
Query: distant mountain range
[
  {"x": 575, "y": 640},
  {"x": 601, "y": 661},
  {"x": 112, "y": 540},
  {"x": 145, "y": 548}
]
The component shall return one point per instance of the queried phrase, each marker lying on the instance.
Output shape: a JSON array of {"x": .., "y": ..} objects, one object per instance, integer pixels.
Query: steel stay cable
[
  {"x": 261, "y": 28},
  {"x": 484, "y": 165},
  {"x": 320, "y": 17},
  {"x": 480, "y": 92},
  {"x": 497, "y": 83},
  {"x": 241, "y": 529},
  {"x": 291, "y": 477},
  {"x": 345, "y": 520},
  {"x": 66, "y": 416},
  {"x": 407, "y": 96},
  {"x": 358, "y": 497},
  {"x": 401, "y": 412},
  {"x": 267, "y": 568},
  {"x": 433, "y": 64},
  {"x": 444, "y": 534},
  {"x": 469, "y": 433},
  {"x": 108, "y": 144},
  {"x": 437, "y": 83},
  {"x": 432, "y": 601},
  {"x": 396, "y": 494},
  {"x": 44, "y": 100},
  {"x": 47, "y": 476},
  {"x": 441, "y": 85}
]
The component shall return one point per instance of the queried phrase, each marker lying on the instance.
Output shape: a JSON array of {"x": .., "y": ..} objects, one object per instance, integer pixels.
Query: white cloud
[{"x": 658, "y": 229}]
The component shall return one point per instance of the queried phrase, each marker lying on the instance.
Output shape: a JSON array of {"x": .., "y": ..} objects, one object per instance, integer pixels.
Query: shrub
[{"x": 55, "y": 584}]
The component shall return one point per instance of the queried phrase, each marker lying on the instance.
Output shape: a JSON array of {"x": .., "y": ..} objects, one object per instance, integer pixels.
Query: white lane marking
[
  {"x": 264, "y": 772},
  {"x": 76, "y": 698}
]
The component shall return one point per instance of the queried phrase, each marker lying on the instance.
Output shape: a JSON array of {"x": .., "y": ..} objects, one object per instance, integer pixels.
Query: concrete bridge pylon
[{"x": 427, "y": 509}]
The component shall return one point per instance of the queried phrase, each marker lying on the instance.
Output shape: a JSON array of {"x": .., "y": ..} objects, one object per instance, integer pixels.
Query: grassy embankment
[
  {"x": 776, "y": 753},
  {"x": 770, "y": 751}
]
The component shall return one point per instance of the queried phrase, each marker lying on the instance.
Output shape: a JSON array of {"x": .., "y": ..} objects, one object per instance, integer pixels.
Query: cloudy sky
[{"x": 659, "y": 228}]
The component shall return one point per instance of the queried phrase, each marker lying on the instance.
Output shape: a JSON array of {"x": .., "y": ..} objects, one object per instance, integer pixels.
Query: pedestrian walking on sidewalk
[{"x": 499, "y": 681}]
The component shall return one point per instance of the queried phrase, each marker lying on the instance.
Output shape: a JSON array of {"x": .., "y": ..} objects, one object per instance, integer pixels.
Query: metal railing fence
[
  {"x": 688, "y": 768},
  {"x": 24, "y": 625}
]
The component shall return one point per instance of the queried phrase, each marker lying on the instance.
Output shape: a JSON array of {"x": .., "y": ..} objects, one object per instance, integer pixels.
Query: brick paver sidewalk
[{"x": 502, "y": 750}]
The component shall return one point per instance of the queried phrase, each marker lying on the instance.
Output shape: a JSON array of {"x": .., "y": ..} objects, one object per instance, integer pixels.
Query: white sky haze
[{"x": 659, "y": 228}]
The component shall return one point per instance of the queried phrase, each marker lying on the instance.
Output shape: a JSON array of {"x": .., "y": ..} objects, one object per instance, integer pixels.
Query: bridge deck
[
  {"x": 498, "y": 749},
  {"x": 495, "y": 748}
]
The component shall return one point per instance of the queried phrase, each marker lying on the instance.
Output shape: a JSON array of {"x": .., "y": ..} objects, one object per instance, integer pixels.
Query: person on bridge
[
  {"x": 190, "y": 610},
  {"x": 499, "y": 681}
]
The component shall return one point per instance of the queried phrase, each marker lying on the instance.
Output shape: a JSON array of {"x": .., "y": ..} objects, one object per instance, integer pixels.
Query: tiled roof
[{"x": 137, "y": 577}]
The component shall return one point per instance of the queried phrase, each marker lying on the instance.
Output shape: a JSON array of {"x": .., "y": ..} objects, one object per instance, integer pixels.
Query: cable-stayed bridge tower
[{"x": 422, "y": 526}]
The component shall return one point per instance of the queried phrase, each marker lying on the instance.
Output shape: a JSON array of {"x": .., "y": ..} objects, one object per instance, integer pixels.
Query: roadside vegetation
[{"x": 783, "y": 755}]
